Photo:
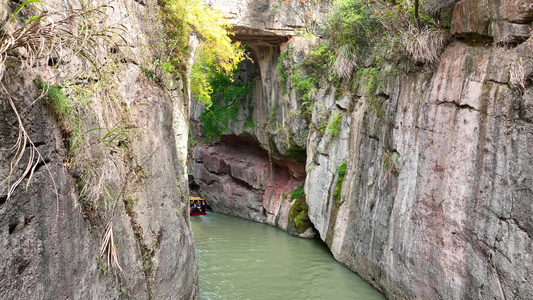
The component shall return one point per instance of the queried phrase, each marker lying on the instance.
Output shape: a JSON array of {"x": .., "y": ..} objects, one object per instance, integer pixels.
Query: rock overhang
[{"x": 249, "y": 35}]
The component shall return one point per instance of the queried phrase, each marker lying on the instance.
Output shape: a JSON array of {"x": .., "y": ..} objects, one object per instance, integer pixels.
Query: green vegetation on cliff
[
  {"x": 225, "y": 95},
  {"x": 298, "y": 216},
  {"x": 215, "y": 60},
  {"x": 364, "y": 43},
  {"x": 358, "y": 30},
  {"x": 81, "y": 32},
  {"x": 298, "y": 193},
  {"x": 216, "y": 52},
  {"x": 367, "y": 33},
  {"x": 341, "y": 172},
  {"x": 86, "y": 61},
  {"x": 53, "y": 95}
]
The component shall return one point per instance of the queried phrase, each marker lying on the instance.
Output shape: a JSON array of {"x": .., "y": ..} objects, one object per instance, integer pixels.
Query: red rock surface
[{"x": 240, "y": 179}]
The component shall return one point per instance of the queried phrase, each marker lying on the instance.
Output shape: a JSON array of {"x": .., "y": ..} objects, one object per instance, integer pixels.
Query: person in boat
[{"x": 197, "y": 207}]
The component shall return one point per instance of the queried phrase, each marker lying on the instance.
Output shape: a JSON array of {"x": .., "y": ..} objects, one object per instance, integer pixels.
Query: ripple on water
[{"x": 240, "y": 259}]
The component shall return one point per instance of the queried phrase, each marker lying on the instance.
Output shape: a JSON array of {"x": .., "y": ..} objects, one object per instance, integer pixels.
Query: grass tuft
[{"x": 426, "y": 45}]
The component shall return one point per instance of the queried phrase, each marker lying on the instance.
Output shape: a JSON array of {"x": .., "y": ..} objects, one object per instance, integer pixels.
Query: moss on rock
[{"x": 298, "y": 217}]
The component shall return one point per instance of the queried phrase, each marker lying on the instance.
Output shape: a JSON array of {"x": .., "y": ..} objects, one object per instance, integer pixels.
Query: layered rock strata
[
  {"x": 239, "y": 178},
  {"x": 436, "y": 203},
  {"x": 449, "y": 217}
]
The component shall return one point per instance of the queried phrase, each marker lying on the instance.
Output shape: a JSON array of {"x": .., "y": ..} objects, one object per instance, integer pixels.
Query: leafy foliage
[
  {"x": 216, "y": 52},
  {"x": 225, "y": 97},
  {"x": 298, "y": 193},
  {"x": 341, "y": 171},
  {"x": 357, "y": 30},
  {"x": 353, "y": 23},
  {"x": 334, "y": 125},
  {"x": 303, "y": 84}
]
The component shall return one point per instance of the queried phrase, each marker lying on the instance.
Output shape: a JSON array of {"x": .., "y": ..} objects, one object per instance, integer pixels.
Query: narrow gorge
[
  {"x": 417, "y": 178},
  {"x": 398, "y": 135}
]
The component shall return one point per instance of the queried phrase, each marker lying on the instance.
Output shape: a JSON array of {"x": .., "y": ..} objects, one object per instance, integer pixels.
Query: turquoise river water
[{"x": 240, "y": 259}]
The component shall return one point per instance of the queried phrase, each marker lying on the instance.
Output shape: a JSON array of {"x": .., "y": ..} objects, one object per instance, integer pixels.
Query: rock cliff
[
  {"x": 436, "y": 199},
  {"x": 263, "y": 192},
  {"x": 110, "y": 142}
]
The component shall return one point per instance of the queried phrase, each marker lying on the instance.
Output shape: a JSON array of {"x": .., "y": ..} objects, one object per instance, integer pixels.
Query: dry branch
[
  {"x": 108, "y": 247},
  {"x": 23, "y": 141}
]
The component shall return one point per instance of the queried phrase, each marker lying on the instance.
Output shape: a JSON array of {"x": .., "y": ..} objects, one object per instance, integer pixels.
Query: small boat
[{"x": 197, "y": 206}]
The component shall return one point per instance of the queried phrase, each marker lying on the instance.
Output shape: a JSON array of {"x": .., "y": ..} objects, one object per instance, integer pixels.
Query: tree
[{"x": 216, "y": 52}]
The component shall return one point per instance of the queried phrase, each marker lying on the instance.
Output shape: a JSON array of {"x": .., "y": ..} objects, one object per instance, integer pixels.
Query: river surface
[{"x": 240, "y": 259}]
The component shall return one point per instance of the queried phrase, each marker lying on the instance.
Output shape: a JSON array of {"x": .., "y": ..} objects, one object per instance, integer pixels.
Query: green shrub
[
  {"x": 298, "y": 193},
  {"x": 226, "y": 96},
  {"x": 299, "y": 217},
  {"x": 358, "y": 29},
  {"x": 334, "y": 125},
  {"x": 341, "y": 171},
  {"x": 54, "y": 96},
  {"x": 318, "y": 64},
  {"x": 303, "y": 84},
  {"x": 352, "y": 24}
]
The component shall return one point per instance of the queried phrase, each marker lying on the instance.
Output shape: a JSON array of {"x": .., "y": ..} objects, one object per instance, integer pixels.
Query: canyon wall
[
  {"x": 252, "y": 171},
  {"x": 436, "y": 199},
  {"x": 436, "y": 203},
  {"x": 111, "y": 160}
]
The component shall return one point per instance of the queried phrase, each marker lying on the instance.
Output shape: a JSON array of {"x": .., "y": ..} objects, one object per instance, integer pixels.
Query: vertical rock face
[
  {"x": 119, "y": 159},
  {"x": 436, "y": 199},
  {"x": 436, "y": 202},
  {"x": 253, "y": 170},
  {"x": 500, "y": 21},
  {"x": 451, "y": 220}
]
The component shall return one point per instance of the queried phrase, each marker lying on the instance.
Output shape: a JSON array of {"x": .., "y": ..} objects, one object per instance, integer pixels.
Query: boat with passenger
[{"x": 197, "y": 206}]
